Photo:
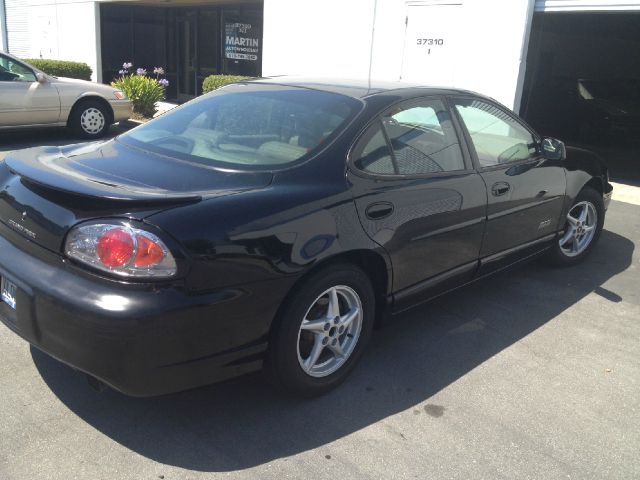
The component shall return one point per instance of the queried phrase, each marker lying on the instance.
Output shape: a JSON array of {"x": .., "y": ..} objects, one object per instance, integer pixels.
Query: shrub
[
  {"x": 213, "y": 82},
  {"x": 143, "y": 91},
  {"x": 62, "y": 68}
]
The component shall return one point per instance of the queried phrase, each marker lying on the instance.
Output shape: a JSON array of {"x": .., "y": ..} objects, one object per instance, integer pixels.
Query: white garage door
[
  {"x": 587, "y": 5},
  {"x": 17, "y": 27},
  {"x": 431, "y": 43}
]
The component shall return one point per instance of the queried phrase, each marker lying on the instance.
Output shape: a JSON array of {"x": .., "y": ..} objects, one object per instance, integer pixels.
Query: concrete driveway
[{"x": 534, "y": 373}]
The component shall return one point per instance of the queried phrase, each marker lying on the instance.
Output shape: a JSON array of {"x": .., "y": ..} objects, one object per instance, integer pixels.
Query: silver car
[{"x": 31, "y": 98}]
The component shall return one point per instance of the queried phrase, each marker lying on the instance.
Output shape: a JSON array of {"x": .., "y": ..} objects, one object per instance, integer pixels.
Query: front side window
[
  {"x": 418, "y": 139},
  {"x": 12, "y": 71},
  {"x": 249, "y": 126},
  {"x": 497, "y": 137}
]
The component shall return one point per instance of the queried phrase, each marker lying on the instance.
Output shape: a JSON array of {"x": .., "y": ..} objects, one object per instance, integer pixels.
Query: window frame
[
  {"x": 358, "y": 144},
  {"x": 469, "y": 141}
]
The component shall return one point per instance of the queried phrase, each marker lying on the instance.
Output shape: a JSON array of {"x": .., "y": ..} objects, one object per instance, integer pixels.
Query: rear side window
[{"x": 417, "y": 139}]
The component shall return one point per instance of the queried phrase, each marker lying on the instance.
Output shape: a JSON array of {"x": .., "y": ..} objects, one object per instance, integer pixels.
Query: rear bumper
[
  {"x": 140, "y": 339},
  {"x": 122, "y": 110}
]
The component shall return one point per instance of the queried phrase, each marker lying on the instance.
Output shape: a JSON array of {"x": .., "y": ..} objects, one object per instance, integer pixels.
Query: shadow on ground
[{"x": 244, "y": 423}]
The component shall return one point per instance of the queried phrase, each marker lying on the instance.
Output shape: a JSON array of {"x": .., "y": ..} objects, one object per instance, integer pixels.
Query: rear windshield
[{"x": 247, "y": 126}]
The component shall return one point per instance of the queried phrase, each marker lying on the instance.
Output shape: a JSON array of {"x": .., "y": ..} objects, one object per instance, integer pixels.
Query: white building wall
[
  {"x": 340, "y": 38},
  {"x": 59, "y": 30}
]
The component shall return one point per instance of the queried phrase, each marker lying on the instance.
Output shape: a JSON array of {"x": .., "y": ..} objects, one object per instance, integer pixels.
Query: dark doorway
[
  {"x": 583, "y": 84},
  {"x": 189, "y": 42}
]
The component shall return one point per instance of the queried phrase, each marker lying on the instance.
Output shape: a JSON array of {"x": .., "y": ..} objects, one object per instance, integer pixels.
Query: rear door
[
  {"x": 418, "y": 196},
  {"x": 23, "y": 100},
  {"x": 525, "y": 190}
]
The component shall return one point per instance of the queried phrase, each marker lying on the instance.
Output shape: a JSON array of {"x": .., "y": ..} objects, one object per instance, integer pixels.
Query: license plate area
[{"x": 8, "y": 291}]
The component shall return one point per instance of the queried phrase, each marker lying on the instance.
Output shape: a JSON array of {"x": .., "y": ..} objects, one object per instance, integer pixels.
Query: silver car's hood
[{"x": 84, "y": 85}]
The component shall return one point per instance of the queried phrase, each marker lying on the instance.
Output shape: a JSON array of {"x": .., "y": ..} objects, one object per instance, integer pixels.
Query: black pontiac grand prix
[{"x": 272, "y": 223}]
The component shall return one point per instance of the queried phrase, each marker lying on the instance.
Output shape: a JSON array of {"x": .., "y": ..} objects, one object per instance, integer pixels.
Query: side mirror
[
  {"x": 553, "y": 149},
  {"x": 41, "y": 77}
]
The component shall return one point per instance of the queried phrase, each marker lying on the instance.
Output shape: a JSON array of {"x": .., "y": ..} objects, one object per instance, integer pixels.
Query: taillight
[{"x": 121, "y": 250}]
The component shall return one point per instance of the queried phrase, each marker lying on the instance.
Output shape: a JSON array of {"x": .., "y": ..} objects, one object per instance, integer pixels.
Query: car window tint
[
  {"x": 375, "y": 156},
  {"x": 422, "y": 137},
  {"x": 497, "y": 137},
  {"x": 11, "y": 71},
  {"x": 249, "y": 125}
]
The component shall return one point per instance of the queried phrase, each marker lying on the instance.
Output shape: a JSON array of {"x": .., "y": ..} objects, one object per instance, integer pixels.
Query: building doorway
[{"x": 189, "y": 42}]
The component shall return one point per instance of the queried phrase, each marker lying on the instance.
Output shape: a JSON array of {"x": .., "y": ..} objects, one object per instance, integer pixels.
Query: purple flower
[
  {"x": 127, "y": 65},
  {"x": 141, "y": 71},
  {"x": 122, "y": 72},
  {"x": 158, "y": 71},
  {"x": 164, "y": 82}
]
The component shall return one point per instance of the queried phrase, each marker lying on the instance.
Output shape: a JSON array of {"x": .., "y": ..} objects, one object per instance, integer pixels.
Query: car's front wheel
[
  {"x": 322, "y": 331},
  {"x": 89, "y": 119},
  {"x": 583, "y": 225}
]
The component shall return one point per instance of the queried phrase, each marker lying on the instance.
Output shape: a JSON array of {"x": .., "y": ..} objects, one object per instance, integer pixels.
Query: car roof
[{"x": 358, "y": 88}]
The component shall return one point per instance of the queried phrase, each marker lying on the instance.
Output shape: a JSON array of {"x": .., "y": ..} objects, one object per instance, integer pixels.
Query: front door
[
  {"x": 419, "y": 198},
  {"x": 23, "y": 100},
  {"x": 525, "y": 191},
  {"x": 187, "y": 57}
]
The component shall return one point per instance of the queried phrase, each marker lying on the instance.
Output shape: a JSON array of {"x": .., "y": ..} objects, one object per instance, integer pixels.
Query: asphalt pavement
[{"x": 533, "y": 374}]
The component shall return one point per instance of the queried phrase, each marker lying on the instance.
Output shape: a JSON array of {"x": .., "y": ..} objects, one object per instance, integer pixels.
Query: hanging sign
[{"x": 241, "y": 41}]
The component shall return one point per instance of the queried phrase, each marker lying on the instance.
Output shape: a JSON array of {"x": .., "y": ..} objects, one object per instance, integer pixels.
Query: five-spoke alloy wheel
[
  {"x": 582, "y": 221},
  {"x": 582, "y": 228},
  {"x": 330, "y": 330},
  {"x": 322, "y": 331}
]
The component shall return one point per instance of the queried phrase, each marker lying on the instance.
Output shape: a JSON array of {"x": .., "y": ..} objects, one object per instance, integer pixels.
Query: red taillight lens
[
  {"x": 149, "y": 252},
  {"x": 115, "y": 248},
  {"x": 124, "y": 250}
]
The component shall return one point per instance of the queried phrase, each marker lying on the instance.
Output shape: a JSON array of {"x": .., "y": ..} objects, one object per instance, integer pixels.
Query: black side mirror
[{"x": 553, "y": 149}]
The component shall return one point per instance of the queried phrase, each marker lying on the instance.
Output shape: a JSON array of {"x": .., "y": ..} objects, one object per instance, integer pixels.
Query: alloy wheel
[
  {"x": 580, "y": 229},
  {"x": 329, "y": 331}
]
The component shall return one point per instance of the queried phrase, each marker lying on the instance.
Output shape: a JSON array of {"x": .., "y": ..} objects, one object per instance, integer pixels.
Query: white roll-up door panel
[
  {"x": 18, "y": 27},
  {"x": 587, "y": 5}
]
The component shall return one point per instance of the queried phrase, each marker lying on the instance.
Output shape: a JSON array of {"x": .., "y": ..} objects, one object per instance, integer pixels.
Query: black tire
[
  {"x": 90, "y": 119},
  {"x": 284, "y": 362},
  {"x": 560, "y": 257}
]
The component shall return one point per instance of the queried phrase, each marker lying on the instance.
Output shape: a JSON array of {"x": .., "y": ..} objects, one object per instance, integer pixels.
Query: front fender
[{"x": 584, "y": 167}]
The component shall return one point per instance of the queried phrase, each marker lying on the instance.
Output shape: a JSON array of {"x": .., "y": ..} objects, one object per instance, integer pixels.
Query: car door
[
  {"x": 418, "y": 196},
  {"x": 525, "y": 190},
  {"x": 24, "y": 100}
]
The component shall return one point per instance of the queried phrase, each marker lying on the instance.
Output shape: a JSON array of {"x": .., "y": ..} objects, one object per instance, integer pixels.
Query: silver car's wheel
[
  {"x": 329, "y": 331},
  {"x": 92, "y": 121},
  {"x": 582, "y": 221}
]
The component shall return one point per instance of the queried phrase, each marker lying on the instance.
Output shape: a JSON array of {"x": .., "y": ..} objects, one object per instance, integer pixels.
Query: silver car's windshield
[{"x": 247, "y": 125}]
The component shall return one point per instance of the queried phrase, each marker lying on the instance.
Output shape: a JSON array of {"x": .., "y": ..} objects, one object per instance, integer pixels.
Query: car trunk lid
[{"x": 45, "y": 191}]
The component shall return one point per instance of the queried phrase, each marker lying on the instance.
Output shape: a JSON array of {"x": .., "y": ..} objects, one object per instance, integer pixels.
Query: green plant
[
  {"x": 216, "y": 81},
  {"x": 62, "y": 68},
  {"x": 143, "y": 91}
]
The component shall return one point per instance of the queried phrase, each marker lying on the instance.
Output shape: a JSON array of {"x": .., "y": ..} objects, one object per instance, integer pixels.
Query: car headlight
[
  {"x": 121, "y": 250},
  {"x": 119, "y": 94}
]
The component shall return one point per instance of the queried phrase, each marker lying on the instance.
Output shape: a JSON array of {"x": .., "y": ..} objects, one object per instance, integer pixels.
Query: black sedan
[{"x": 272, "y": 224}]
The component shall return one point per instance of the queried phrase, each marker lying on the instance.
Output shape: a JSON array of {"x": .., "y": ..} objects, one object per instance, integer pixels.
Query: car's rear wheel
[
  {"x": 322, "y": 331},
  {"x": 583, "y": 225},
  {"x": 90, "y": 119}
]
